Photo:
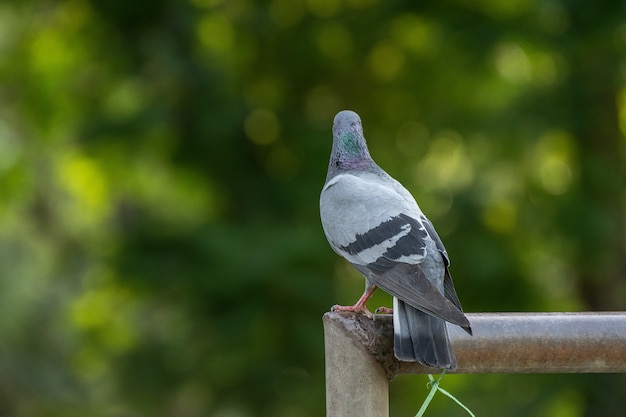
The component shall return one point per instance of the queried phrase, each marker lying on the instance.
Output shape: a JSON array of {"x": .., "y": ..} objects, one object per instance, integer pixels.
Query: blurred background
[{"x": 160, "y": 167}]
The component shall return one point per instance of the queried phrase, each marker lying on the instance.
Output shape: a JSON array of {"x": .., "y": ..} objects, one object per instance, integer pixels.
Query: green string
[{"x": 434, "y": 387}]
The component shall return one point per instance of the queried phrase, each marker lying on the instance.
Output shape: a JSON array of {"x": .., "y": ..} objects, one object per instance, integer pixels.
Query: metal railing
[{"x": 360, "y": 361}]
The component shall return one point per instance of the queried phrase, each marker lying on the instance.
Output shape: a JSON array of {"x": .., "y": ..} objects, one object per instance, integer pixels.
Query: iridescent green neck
[{"x": 352, "y": 145}]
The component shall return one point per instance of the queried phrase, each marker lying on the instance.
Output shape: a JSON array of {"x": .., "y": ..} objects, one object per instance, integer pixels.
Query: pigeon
[{"x": 373, "y": 222}]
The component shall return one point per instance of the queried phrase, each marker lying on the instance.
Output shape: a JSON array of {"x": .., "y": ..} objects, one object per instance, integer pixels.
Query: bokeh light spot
[
  {"x": 446, "y": 165},
  {"x": 416, "y": 34},
  {"x": 512, "y": 63},
  {"x": 105, "y": 313},
  {"x": 124, "y": 100},
  {"x": 621, "y": 109},
  {"x": 500, "y": 216},
  {"x": 552, "y": 162},
  {"x": 49, "y": 53},
  {"x": 386, "y": 61},
  {"x": 216, "y": 33},
  {"x": 556, "y": 176},
  {"x": 262, "y": 126},
  {"x": 87, "y": 186},
  {"x": 334, "y": 41}
]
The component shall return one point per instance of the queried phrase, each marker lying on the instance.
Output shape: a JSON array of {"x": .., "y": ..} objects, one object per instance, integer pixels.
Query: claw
[
  {"x": 360, "y": 306},
  {"x": 353, "y": 309},
  {"x": 383, "y": 310}
]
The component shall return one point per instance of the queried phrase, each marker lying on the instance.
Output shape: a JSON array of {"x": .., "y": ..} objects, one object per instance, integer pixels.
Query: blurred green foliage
[{"x": 160, "y": 167}]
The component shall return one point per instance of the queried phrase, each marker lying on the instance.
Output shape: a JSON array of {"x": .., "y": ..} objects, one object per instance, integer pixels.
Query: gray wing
[
  {"x": 409, "y": 284},
  {"x": 449, "y": 290},
  {"x": 360, "y": 217}
]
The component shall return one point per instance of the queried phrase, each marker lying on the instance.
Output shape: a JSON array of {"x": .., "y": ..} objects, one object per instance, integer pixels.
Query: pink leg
[{"x": 360, "y": 306}]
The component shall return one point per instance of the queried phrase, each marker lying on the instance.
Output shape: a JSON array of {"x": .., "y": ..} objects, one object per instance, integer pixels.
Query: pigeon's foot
[
  {"x": 383, "y": 310},
  {"x": 357, "y": 308},
  {"x": 360, "y": 306}
]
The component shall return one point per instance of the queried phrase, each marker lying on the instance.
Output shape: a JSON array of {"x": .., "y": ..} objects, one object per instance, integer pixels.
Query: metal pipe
[
  {"x": 541, "y": 343},
  {"x": 508, "y": 342}
]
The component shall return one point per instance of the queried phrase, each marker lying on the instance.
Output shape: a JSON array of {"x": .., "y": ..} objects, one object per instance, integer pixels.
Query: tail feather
[{"x": 421, "y": 337}]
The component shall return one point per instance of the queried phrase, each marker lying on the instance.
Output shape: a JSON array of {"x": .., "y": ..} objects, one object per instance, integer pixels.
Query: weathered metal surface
[
  {"x": 356, "y": 383},
  {"x": 508, "y": 342}
]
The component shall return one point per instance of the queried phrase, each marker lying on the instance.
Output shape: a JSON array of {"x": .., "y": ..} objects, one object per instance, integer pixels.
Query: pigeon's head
[
  {"x": 348, "y": 134},
  {"x": 349, "y": 151}
]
